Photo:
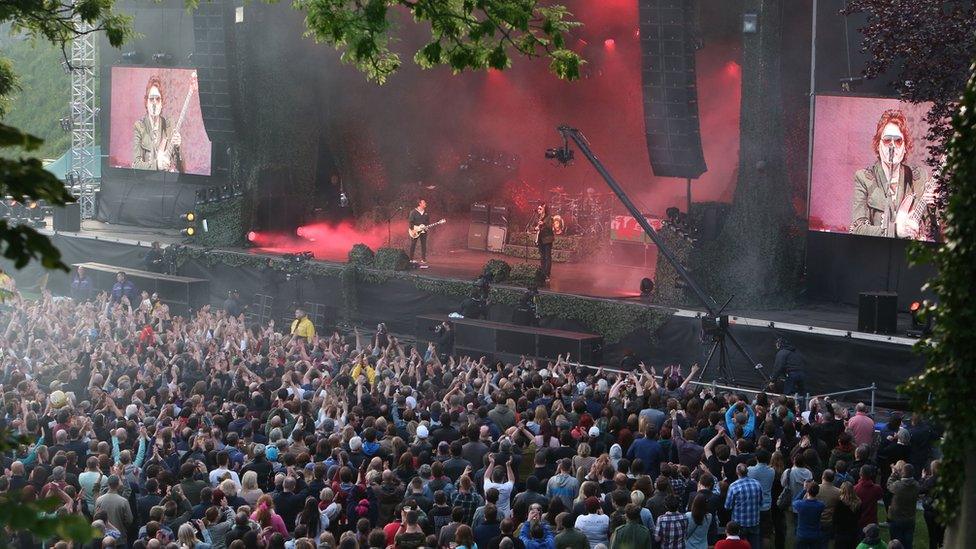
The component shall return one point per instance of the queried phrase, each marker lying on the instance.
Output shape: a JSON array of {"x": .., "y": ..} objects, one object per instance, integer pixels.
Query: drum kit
[{"x": 586, "y": 213}]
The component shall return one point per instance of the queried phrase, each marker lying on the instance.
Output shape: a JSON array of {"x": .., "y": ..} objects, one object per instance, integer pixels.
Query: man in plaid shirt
[
  {"x": 744, "y": 500},
  {"x": 671, "y": 526},
  {"x": 466, "y": 498}
]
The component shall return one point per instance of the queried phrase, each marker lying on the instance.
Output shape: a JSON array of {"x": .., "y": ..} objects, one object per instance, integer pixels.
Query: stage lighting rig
[
  {"x": 132, "y": 57},
  {"x": 162, "y": 58},
  {"x": 921, "y": 320}
]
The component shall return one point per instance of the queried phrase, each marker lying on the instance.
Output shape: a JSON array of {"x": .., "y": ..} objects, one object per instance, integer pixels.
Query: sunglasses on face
[
  {"x": 155, "y": 99},
  {"x": 892, "y": 140}
]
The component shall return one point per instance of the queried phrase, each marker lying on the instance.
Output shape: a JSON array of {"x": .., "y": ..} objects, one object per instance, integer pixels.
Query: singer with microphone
[{"x": 892, "y": 198}]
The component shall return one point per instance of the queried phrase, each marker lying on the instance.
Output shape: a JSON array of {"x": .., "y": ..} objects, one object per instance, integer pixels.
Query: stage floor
[{"x": 590, "y": 279}]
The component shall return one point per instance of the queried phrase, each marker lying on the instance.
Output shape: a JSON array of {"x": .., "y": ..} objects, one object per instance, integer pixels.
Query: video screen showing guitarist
[
  {"x": 156, "y": 142},
  {"x": 892, "y": 198}
]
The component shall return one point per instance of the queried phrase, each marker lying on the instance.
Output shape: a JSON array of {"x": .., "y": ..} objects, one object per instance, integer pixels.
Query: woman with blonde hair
[
  {"x": 249, "y": 488},
  {"x": 541, "y": 416},
  {"x": 637, "y": 498},
  {"x": 583, "y": 460},
  {"x": 846, "y": 515},
  {"x": 187, "y": 538}
]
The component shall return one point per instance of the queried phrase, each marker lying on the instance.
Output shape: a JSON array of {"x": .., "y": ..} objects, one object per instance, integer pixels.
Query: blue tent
[{"x": 62, "y": 165}]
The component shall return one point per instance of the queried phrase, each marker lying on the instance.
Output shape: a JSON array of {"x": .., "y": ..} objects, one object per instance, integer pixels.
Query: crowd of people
[{"x": 208, "y": 432}]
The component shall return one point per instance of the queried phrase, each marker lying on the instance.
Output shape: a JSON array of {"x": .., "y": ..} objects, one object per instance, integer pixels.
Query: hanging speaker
[{"x": 671, "y": 124}]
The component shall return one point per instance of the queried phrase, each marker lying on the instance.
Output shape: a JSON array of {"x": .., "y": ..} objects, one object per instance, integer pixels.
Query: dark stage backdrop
[
  {"x": 841, "y": 266},
  {"x": 480, "y": 136},
  {"x": 833, "y": 363}
]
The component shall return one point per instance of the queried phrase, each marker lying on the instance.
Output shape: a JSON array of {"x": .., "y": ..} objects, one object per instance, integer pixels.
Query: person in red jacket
[
  {"x": 869, "y": 493},
  {"x": 732, "y": 539}
]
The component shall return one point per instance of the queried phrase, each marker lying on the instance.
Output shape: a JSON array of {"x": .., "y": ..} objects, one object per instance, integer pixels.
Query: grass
[{"x": 921, "y": 540}]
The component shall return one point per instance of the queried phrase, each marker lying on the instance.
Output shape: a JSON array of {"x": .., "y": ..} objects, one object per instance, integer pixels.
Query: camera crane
[{"x": 715, "y": 325}]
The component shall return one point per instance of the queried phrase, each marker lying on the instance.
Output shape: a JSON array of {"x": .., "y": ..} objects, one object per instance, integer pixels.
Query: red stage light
[
  {"x": 252, "y": 236},
  {"x": 733, "y": 69},
  {"x": 300, "y": 231},
  {"x": 915, "y": 306},
  {"x": 609, "y": 43}
]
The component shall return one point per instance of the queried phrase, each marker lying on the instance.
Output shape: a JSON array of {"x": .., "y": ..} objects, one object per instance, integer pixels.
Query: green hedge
[
  {"x": 613, "y": 320},
  {"x": 361, "y": 255},
  {"x": 391, "y": 259},
  {"x": 500, "y": 270},
  {"x": 225, "y": 226}
]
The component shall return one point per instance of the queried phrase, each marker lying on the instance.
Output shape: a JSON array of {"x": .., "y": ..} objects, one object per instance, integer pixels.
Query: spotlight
[
  {"x": 190, "y": 219},
  {"x": 133, "y": 57},
  {"x": 201, "y": 195},
  {"x": 646, "y": 287},
  {"x": 226, "y": 192},
  {"x": 252, "y": 236},
  {"x": 162, "y": 58},
  {"x": 750, "y": 23},
  {"x": 921, "y": 320},
  {"x": 847, "y": 84},
  {"x": 66, "y": 124},
  {"x": 609, "y": 43}
]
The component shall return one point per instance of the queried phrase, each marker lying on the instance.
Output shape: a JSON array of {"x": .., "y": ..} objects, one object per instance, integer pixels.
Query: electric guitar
[
  {"x": 418, "y": 230},
  {"x": 168, "y": 150},
  {"x": 908, "y": 219}
]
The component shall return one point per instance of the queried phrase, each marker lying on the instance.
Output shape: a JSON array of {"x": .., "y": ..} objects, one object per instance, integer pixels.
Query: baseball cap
[
  {"x": 594, "y": 431},
  {"x": 422, "y": 431}
]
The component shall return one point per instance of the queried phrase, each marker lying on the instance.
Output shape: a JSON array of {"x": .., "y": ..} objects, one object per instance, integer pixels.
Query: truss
[{"x": 83, "y": 119}]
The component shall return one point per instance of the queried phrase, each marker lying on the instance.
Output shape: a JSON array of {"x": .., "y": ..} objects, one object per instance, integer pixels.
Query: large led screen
[
  {"x": 156, "y": 123},
  {"x": 869, "y": 174}
]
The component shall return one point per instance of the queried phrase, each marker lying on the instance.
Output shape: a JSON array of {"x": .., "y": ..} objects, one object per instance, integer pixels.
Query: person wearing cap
[
  {"x": 261, "y": 466},
  {"x": 872, "y": 538},
  {"x": 789, "y": 366}
]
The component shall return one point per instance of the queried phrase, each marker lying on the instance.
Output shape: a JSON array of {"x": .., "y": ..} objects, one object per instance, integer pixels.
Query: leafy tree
[
  {"x": 57, "y": 23},
  {"x": 464, "y": 34},
  {"x": 948, "y": 380},
  {"x": 37, "y": 517},
  {"x": 37, "y": 64}
]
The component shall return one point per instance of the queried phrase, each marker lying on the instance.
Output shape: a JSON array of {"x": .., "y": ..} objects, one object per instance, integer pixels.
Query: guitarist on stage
[
  {"x": 156, "y": 144},
  {"x": 419, "y": 216},
  {"x": 892, "y": 198}
]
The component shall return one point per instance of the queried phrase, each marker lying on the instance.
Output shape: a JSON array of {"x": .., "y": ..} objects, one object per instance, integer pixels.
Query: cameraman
[
  {"x": 789, "y": 367},
  {"x": 444, "y": 339},
  {"x": 153, "y": 259}
]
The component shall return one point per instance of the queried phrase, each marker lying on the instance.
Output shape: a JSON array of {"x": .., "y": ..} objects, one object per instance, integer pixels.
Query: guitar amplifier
[
  {"x": 479, "y": 213},
  {"x": 499, "y": 216},
  {"x": 496, "y": 238},
  {"x": 478, "y": 236}
]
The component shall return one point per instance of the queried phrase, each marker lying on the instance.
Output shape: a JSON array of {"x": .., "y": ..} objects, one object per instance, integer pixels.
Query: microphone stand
[{"x": 389, "y": 230}]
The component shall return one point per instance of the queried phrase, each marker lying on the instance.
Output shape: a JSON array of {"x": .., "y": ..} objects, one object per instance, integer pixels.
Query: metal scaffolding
[{"x": 84, "y": 113}]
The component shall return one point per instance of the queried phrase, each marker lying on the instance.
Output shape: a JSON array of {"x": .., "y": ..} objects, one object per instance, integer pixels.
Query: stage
[{"x": 838, "y": 357}]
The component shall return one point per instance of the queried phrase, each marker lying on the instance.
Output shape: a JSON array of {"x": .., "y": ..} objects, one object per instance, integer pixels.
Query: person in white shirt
[
  {"x": 221, "y": 471},
  {"x": 594, "y": 524},
  {"x": 496, "y": 480}
]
